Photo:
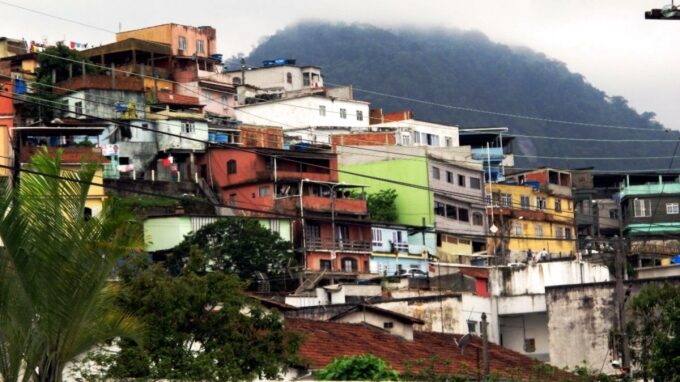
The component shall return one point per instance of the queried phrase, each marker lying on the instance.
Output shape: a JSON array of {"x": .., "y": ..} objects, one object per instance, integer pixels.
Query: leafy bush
[
  {"x": 365, "y": 367},
  {"x": 381, "y": 205}
]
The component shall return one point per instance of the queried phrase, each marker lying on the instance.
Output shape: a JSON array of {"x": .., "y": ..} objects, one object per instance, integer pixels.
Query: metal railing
[{"x": 340, "y": 245}]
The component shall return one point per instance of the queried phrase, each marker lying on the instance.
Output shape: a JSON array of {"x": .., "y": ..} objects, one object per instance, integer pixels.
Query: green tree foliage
[
  {"x": 655, "y": 331},
  {"x": 381, "y": 205},
  {"x": 459, "y": 68},
  {"x": 55, "y": 299},
  {"x": 365, "y": 367},
  {"x": 237, "y": 246},
  {"x": 200, "y": 326},
  {"x": 55, "y": 59}
]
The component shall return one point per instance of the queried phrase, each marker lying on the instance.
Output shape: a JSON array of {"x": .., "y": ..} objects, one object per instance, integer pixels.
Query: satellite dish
[
  {"x": 464, "y": 341},
  {"x": 669, "y": 10}
]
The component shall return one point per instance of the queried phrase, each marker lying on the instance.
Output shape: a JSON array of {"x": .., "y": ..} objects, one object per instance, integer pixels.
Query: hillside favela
[{"x": 313, "y": 190}]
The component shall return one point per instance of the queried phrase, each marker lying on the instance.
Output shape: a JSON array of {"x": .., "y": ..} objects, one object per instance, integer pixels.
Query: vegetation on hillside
[{"x": 466, "y": 69}]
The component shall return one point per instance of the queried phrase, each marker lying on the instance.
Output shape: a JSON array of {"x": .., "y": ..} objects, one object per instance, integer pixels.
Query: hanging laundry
[
  {"x": 165, "y": 162},
  {"x": 73, "y": 44}
]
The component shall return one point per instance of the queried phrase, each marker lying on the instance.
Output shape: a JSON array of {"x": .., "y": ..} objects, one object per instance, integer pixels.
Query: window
[
  {"x": 449, "y": 177},
  {"x": 477, "y": 218},
  {"x": 188, "y": 127},
  {"x": 613, "y": 214},
  {"x": 487, "y": 198},
  {"x": 672, "y": 208},
  {"x": 289, "y": 77},
  {"x": 200, "y": 46},
  {"x": 360, "y": 115},
  {"x": 472, "y": 326},
  {"x": 343, "y": 113},
  {"x": 236, "y": 81},
  {"x": 313, "y": 231},
  {"x": 305, "y": 79},
  {"x": 182, "y": 43},
  {"x": 232, "y": 200},
  {"x": 376, "y": 235},
  {"x": 449, "y": 141},
  {"x": 541, "y": 203},
  {"x": 517, "y": 228},
  {"x": 79, "y": 108},
  {"x": 388, "y": 325},
  {"x": 451, "y": 212},
  {"x": 435, "y": 172},
  {"x": 559, "y": 232},
  {"x": 231, "y": 167},
  {"x": 642, "y": 208},
  {"x": 538, "y": 230},
  {"x": 416, "y": 137},
  {"x": 349, "y": 264},
  {"x": 439, "y": 209},
  {"x": 506, "y": 200},
  {"x": 264, "y": 191},
  {"x": 524, "y": 202},
  {"x": 463, "y": 215},
  {"x": 558, "y": 205},
  {"x": 325, "y": 264},
  {"x": 322, "y": 110},
  {"x": 475, "y": 183},
  {"x": 406, "y": 140},
  {"x": 567, "y": 233},
  {"x": 461, "y": 180},
  {"x": 431, "y": 139}
]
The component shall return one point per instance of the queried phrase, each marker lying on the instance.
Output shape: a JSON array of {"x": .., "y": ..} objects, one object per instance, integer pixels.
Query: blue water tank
[
  {"x": 222, "y": 138},
  {"x": 217, "y": 56},
  {"x": 675, "y": 260},
  {"x": 535, "y": 185},
  {"x": 20, "y": 86}
]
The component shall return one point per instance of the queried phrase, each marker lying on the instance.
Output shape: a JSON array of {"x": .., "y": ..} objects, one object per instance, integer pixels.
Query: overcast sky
[{"x": 607, "y": 41}]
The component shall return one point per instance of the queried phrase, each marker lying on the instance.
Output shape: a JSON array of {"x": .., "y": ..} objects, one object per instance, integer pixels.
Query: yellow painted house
[{"x": 529, "y": 217}]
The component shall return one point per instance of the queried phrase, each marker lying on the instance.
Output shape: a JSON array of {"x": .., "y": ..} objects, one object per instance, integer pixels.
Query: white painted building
[
  {"x": 412, "y": 132},
  {"x": 308, "y": 117},
  {"x": 286, "y": 78},
  {"x": 520, "y": 300}
]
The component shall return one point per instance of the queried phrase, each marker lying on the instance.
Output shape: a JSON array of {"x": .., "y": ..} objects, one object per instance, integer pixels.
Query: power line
[
  {"x": 55, "y": 16},
  {"x": 465, "y": 197}
]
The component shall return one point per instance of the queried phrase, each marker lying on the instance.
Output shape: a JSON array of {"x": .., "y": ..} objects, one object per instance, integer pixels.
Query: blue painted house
[{"x": 397, "y": 247}]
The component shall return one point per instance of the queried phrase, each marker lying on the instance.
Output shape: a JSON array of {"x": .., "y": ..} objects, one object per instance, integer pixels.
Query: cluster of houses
[{"x": 467, "y": 234}]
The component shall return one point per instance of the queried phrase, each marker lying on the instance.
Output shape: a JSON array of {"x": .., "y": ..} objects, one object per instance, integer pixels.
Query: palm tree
[{"x": 56, "y": 297}]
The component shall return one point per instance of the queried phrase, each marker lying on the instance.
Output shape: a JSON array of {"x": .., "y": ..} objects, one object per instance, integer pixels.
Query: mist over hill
[{"x": 467, "y": 70}]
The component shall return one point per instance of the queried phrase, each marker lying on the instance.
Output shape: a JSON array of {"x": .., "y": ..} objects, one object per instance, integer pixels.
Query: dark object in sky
[{"x": 668, "y": 12}]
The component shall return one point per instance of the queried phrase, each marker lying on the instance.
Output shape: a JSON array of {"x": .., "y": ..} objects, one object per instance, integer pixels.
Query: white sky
[{"x": 607, "y": 41}]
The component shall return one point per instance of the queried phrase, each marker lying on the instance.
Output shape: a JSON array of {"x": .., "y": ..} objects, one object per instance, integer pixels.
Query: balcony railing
[
  {"x": 69, "y": 154},
  {"x": 340, "y": 245},
  {"x": 324, "y": 204}
]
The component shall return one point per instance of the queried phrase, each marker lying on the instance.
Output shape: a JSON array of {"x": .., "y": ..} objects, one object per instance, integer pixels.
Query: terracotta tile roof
[
  {"x": 372, "y": 308},
  {"x": 325, "y": 341},
  {"x": 478, "y": 273},
  {"x": 177, "y": 99}
]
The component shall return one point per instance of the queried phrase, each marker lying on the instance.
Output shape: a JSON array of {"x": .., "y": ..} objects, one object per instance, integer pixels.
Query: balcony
[
  {"x": 69, "y": 154},
  {"x": 323, "y": 204},
  {"x": 317, "y": 244}
]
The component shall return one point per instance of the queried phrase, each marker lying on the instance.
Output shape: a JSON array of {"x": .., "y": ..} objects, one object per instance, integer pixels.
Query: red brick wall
[
  {"x": 268, "y": 137},
  {"x": 132, "y": 83},
  {"x": 364, "y": 139},
  {"x": 540, "y": 176},
  {"x": 377, "y": 116}
]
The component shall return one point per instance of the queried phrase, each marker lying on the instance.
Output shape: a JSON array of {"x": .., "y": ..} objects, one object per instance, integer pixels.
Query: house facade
[
  {"x": 396, "y": 249},
  {"x": 651, "y": 218},
  {"x": 529, "y": 218},
  {"x": 331, "y": 231},
  {"x": 412, "y": 132}
]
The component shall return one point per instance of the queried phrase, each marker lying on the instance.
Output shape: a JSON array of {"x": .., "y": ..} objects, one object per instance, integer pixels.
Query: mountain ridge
[{"x": 467, "y": 69}]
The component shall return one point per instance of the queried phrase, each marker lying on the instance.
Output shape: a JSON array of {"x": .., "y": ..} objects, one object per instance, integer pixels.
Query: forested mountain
[{"x": 466, "y": 69}]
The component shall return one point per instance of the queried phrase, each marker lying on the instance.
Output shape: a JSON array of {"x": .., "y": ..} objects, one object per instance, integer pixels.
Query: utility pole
[
  {"x": 16, "y": 165},
  {"x": 620, "y": 270},
  {"x": 485, "y": 347},
  {"x": 619, "y": 263}
]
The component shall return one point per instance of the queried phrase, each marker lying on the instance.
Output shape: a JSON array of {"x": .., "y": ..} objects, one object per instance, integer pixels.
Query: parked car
[{"x": 413, "y": 273}]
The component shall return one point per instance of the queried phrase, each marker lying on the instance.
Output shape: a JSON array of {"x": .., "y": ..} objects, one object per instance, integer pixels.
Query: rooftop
[
  {"x": 340, "y": 339},
  {"x": 372, "y": 308}
]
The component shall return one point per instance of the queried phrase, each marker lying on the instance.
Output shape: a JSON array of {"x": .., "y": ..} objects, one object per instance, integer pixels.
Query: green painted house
[
  {"x": 164, "y": 233},
  {"x": 414, "y": 205}
]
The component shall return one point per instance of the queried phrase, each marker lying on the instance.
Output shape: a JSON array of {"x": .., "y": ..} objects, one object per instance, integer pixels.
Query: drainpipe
[{"x": 302, "y": 224}]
